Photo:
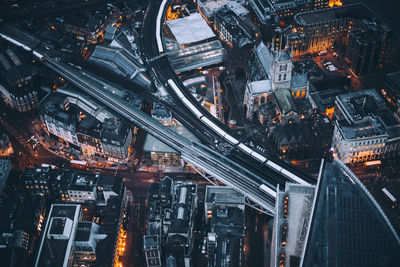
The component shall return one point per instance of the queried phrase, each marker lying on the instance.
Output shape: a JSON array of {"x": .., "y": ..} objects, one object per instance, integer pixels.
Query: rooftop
[
  {"x": 212, "y": 5},
  {"x": 298, "y": 81},
  {"x": 353, "y": 11},
  {"x": 223, "y": 195},
  {"x": 260, "y": 87},
  {"x": 55, "y": 251},
  {"x": 152, "y": 144},
  {"x": 285, "y": 101},
  {"x": 364, "y": 113},
  {"x": 357, "y": 105},
  {"x": 264, "y": 56},
  {"x": 190, "y": 29},
  {"x": 297, "y": 200},
  {"x": 15, "y": 70},
  {"x": 84, "y": 181},
  {"x": 5, "y": 168},
  {"x": 120, "y": 61}
]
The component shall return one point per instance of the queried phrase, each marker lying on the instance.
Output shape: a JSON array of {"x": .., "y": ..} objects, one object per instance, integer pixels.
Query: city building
[
  {"x": 67, "y": 240},
  {"x": 391, "y": 91},
  {"x": 257, "y": 93},
  {"x": 262, "y": 10},
  {"x": 160, "y": 155},
  {"x": 5, "y": 144},
  {"x": 233, "y": 29},
  {"x": 347, "y": 226},
  {"x": 365, "y": 129},
  {"x": 162, "y": 114},
  {"x": 87, "y": 237},
  {"x": 72, "y": 186},
  {"x": 171, "y": 207},
  {"x": 224, "y": 212},
  {"x": 117, "y": 58},
  {"x": 78, "y": 120},
  {"x": 91, "y": 26},
  {"x": 270, "y": 12},
  {"x": 290, "y": 92},
  {"x": 151, "y": 249},
  {"x": 369, "y": 47},
  {"x": 300, "y": 140},
  {"x": 337, "y": 222},
  {"x": 322, "y": 98},
  {"x": 18, "y": 86},
  {"x": 20, "y": 229},
  {"x": 5, "y": 169},
  {"x": 293, "y": 211},
  {"x": 192, "y": 44},
  {"x": 82, "y": 187},
  {"x": 370, "y": 44},
  {"x": 207, "y": 8},
  {"x": 181, "y": 222},
  {"x": 56, "y": 245}
]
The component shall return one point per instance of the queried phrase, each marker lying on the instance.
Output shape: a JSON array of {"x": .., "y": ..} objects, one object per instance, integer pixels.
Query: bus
[{"x": 78, "y": 164}]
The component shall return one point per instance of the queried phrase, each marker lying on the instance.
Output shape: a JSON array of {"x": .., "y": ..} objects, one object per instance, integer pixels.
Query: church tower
[{"x": 281, "y": 68}]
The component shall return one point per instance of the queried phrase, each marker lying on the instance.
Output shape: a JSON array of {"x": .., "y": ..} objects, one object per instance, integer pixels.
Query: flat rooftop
[
  {"x": 299, "y": 206},
  {"x": 56, "y": 251},
  {"x": 223, "y": 195},
  {"x": 190, "y": 29},
  {"x": 353, "y": 11},
  {"x": 152, "y": 144}
]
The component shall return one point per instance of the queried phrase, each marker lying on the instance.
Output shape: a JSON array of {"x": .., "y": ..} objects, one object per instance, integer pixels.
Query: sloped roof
[
  {"x": 260, "y": 87},
  {"x": 285, "y": 101}
]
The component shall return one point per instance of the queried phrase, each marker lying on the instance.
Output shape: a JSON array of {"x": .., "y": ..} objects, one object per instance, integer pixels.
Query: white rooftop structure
[
  {"x": 260, "y": 87},
  {"x": 208, "y": 7},
  {"x": 191, "y": 29}
]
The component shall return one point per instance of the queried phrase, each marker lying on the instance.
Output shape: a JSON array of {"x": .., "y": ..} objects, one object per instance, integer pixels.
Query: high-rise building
[
  {"x": 335, "y": 223},
  {"x": 347, "y": 226}
]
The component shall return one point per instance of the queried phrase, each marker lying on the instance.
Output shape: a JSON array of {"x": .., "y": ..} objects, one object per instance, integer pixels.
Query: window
[{"x": 279, "y": 77}]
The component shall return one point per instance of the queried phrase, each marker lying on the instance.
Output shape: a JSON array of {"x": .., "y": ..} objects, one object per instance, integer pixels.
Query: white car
[{"x": 331, "y": 68}]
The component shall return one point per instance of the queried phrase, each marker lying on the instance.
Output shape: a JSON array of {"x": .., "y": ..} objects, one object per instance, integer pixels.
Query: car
[{"x": 331, "y": 68}]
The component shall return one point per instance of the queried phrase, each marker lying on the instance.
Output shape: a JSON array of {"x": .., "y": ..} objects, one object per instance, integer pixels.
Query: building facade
[
  {"x": 365, "y": 129},
  {"x": 78, "y": 120},
  {"x": 17, "y": 81},
  {"x": 5, "y": 144},
  {"x": 271, "y": 79}
]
